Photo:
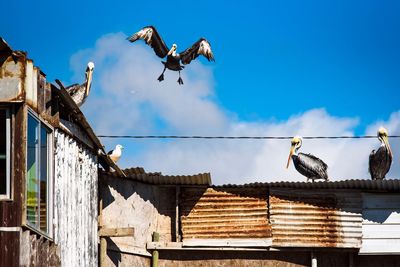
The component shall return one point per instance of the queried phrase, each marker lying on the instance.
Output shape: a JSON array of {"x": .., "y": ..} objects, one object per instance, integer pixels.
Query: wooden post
[
  {"x": 155, "y": 238},
  {"x": 103, "y": 241},
  {"x": 177, "y": 233},
  {"x": 314, "y": 262}
]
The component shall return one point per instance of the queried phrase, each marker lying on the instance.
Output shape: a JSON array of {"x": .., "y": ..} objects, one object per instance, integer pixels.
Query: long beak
[
  {"x": 89, "y": 74},
  {"x": 290, "y": 156},
  {"x": 386, "y": 141},
  {"x": 170, "y": 51}
]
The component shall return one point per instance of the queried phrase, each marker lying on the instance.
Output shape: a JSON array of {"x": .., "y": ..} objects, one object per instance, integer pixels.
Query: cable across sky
[{"x": 238, "y": 137}]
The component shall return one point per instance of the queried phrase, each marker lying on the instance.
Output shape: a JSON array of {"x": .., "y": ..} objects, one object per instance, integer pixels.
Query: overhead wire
[{"x": 239, "y": 137}]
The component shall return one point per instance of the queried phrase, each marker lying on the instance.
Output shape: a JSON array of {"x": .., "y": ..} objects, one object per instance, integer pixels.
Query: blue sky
[{"x": 274, "y": 59}]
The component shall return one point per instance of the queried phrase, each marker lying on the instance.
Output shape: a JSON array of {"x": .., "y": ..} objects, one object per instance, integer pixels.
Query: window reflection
[{"x": 3, "y": 154}]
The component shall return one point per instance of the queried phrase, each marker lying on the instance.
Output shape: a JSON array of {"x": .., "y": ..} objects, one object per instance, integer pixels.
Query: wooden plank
[
  {"x": 128, "y": 231},
  {"x": 199, "y": 242}
]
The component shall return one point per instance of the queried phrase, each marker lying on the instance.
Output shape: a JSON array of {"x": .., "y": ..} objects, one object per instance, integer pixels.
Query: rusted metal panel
[
  {"x": 315, "y": 218},
  {"x": 224, "y": 213},
  {"x": 76, "y": 202},
  {"x": 12, "y": 75}
]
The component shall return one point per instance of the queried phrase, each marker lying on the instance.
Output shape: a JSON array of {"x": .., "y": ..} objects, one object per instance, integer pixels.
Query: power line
[{"x": 238, "y": 137}]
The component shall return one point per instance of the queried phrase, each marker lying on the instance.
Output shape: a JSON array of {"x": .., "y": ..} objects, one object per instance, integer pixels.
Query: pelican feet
[
  {"x": 180, "y": 81},
  {"x": 161, "y": 78}
]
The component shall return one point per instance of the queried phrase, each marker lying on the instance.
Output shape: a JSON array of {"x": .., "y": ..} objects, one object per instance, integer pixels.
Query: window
[
  {"x": 38, "y": 174},
  {"x": 4, "y": 154}
]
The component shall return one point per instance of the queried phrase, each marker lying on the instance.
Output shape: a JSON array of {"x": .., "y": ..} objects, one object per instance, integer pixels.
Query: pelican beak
[
  {"x": 89, "y": 73},
  {"x": 171, "y": 51},
  {"x": 386, "y": 141},
  {"x": 290, "y": 156}
]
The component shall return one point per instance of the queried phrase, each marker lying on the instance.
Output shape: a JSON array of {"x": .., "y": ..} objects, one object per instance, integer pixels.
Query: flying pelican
[
  {"x": 380, "y": 160},
  {"x": 79, "y": 92},
  {"x": 306, "y": 164},
  {"x": 150, "y": 35},
  {"x": 116, "y": 153}
]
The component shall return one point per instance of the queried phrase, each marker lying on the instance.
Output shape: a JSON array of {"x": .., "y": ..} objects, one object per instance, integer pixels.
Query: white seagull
[{"x": 116, "y": 153}]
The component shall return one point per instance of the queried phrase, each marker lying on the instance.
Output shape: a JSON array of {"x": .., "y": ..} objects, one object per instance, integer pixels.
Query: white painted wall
[
  {"x": 75, "y": 198},
  {"x": 381, "y": 224}
]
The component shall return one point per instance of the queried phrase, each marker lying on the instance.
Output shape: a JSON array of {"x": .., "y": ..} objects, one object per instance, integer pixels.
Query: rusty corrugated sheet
[
  {"x": 315, "y": 218},
  {"x": 224, "y": 213}
]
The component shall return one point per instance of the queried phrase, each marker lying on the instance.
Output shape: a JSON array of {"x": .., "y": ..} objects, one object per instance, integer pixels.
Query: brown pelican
[
  {"x": 150, "y": 35},
  {"x": 380, "y": 160},
  {"x": 79, "y": 92},
  {"x": 306, "y": 164},
  {"x": 116, "y": 153}
]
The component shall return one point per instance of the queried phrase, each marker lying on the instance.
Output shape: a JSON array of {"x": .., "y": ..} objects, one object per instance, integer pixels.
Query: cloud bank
[{"x": 126, "y": 98}]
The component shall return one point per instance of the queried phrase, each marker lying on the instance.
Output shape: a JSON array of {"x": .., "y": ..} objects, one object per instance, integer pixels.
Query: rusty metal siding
[
  {"x": 76, "y": 202},
  {"x": 315, "y": 218},
  {"x": 224, "y": 213},
  {"x": 11, "y": 77}
]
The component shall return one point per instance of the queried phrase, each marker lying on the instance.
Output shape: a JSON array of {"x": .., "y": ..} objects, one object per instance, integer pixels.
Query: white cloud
[{"x": 126, "y": 98}]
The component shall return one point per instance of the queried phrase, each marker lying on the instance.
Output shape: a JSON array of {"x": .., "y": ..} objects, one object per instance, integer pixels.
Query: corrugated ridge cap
[{"x": 390, "y": 184}]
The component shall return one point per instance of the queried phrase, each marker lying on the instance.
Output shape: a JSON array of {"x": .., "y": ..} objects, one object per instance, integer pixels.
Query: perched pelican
[
  {"x": 79, "y": 92},
  {"x": 380, "y": 160},
  {"x": 306, "y": 164},
  {"x": 116, "y": 153},
  {"x": 150, "y": 35}
]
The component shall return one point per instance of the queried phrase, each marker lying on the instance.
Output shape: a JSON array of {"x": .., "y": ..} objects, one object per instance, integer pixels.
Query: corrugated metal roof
[
  {"x": 314, "y": 218},
  {"x": 384, "y": 185},
  {"x": 139, "y": 174},
  {"x": 228, "y": 213}
]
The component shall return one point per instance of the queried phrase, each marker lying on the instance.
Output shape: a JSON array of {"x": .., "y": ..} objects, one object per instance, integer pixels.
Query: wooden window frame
[{"x": 50, "y": 177}]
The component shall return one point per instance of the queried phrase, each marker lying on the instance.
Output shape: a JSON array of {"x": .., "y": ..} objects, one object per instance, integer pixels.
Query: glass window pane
[
  {"x": 43, "y": 178},
  {"x": 32, "y": 171},
  {"x": 3, "y": 155}
]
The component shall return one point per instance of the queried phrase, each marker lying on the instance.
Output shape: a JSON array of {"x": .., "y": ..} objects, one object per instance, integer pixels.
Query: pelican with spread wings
[{"x": 150, "y": 35}]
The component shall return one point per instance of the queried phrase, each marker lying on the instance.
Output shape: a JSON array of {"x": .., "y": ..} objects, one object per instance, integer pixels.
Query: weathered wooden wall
[
  {"x": 37, "y": 251},
  {"x": 76, "y": 202},
  {"x": 381, "y": 224}
]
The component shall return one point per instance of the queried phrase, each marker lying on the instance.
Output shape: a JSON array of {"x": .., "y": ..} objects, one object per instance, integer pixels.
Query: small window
[
  {"x": 4, "y": 154},
  {"x": 38, "y": 174}
]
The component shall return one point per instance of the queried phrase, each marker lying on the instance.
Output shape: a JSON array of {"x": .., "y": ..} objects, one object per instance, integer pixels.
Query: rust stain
[{"x": 224, "y": 213}]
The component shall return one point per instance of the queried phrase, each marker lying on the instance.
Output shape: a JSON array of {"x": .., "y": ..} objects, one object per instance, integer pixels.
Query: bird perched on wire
[
  {"x": 308, "y": 165},
  {"x": 116, "y": 153},
  {"x": 150, "y": 35},
  {"x": 79, "y": 92},
  {"x": 380, "y": 160}
]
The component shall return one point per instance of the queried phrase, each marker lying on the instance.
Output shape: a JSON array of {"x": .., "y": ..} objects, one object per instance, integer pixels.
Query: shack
[
  {"x": 186, "y": 221},
  {"x": 49, "y": 159}
]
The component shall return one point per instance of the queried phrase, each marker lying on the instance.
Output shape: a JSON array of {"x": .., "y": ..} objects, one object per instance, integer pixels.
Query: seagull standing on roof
[
  {"x": 116, "y": 153},
  {"x": 308, "y": 165},
  {"x": 150, "y": 35},
  {"x": 380, "y": 160},
  {"x": 79, "y": 92}
]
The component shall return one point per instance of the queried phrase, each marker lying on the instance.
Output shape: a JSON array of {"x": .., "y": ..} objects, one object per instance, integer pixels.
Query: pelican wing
[
  {"x": 314, "y": 165},
  {"x": 379, "y": 163},
  {"x": 201, "y": 47},
  {"x": 150, "y": 35}
]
